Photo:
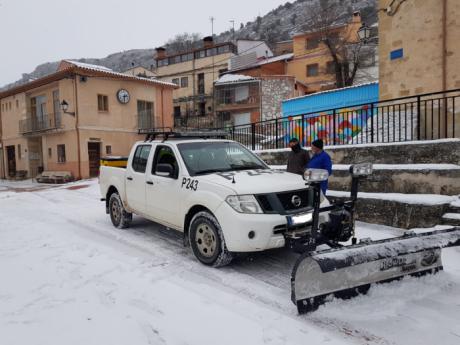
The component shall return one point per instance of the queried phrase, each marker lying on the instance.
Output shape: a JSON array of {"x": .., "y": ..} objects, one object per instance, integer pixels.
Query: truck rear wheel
[
  {"x": 207, "y": 240},
  {"x": 120, "y": 218}
]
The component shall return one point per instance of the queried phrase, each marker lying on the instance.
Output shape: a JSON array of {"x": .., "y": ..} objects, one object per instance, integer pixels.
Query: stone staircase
[{"x": 414, "y": 185}]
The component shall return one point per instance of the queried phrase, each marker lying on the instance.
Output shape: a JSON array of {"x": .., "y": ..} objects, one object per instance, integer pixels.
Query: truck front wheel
[
  {"x": 207, "y": 240},
  {"x": 120, "y": 218}
]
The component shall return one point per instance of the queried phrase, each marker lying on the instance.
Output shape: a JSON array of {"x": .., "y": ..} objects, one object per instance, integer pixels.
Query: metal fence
[
  {"x": 40, "y": 123},
  {"x": 421, "y": 117}
]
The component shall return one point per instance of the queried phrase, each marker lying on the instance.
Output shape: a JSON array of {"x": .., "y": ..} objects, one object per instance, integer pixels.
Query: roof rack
[{"x": 167, "y": 133}]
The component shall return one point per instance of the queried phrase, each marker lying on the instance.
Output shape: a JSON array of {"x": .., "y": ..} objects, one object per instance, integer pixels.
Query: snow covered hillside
[{"x": 69, "y": 277}]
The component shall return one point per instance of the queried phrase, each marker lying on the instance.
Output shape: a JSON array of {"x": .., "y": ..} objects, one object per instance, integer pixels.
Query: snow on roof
[
  {"x": 264, "y": 61},
  {"x": 89, "y": 66},
  {"x": 233, "y": 78},
  {"x": 107, "y": 70},
  {"x": 275, "y": 58}
]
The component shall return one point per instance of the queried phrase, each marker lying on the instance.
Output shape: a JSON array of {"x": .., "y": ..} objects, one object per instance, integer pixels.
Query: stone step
[
  {"x": 413, "y": 152},
  {"x": 451, "y": 219},
  {"x": 405, "y": 211},
  {"x": 402, "y": 178}
]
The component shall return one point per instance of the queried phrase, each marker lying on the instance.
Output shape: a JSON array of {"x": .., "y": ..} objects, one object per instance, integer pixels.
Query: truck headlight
[
  {"x": 244, "y": 203},
  {"x": 315, "y": 175},
  {"x": 363, "y": 169}
]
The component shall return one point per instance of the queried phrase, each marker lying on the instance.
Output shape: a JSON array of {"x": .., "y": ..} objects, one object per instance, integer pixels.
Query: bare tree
[
  {"x": 183, "y": 42},
  {"x": 329, "y": 19}
]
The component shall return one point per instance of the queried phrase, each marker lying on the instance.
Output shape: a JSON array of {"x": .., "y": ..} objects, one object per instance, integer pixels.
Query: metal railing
[
  {"x": 34, "y": 124},
  {"x": 420, "y": 117}
]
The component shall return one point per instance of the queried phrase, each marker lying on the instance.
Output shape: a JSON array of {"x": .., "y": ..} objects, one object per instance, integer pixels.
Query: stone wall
[
  {"x": 416, "y": 27},
  {"x": 423, "y": 152},
  {"x": 274, "y": 91}
]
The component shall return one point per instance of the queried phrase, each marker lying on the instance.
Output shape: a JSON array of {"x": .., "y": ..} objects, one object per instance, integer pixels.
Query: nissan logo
[{"x": 296, "y": 200}]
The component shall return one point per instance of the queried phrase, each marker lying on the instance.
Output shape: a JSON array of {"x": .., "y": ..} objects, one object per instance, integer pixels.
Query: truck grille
[
  {"x": 294, "y": 200},
  {"x": 286, "y": 202}
]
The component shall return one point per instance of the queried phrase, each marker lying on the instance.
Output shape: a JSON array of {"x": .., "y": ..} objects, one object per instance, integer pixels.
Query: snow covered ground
[{"x": 69, "y": 277}]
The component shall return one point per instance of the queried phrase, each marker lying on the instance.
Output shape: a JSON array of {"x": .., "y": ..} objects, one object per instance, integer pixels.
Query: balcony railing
[
  {"x": 34, "y": 124},
  {"x": 145, "y": 120}
]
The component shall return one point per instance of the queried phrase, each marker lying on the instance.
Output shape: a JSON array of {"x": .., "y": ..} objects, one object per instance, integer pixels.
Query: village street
[{"x": 69, "y": 277}]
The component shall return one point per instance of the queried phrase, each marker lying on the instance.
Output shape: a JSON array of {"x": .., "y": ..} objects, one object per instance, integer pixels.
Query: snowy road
[{"x": 68, "y": 277}]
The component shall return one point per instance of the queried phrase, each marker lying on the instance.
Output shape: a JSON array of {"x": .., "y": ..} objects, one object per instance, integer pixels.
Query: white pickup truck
[{"x": 222, "y": 196}]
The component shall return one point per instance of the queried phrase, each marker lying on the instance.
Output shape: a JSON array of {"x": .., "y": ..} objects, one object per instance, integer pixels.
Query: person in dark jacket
[
  {"x": 320, "y": 160},
  {"x": 298, "y": 158}
]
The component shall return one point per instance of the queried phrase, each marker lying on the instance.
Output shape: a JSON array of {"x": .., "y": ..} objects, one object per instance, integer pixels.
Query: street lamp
[
  {"x": 364, "y": 33},
  {"x": 65, "y": 106}
]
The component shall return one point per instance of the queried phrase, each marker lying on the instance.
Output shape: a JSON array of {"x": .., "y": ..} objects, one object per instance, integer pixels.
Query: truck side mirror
[{"x": 165, "y": 170}]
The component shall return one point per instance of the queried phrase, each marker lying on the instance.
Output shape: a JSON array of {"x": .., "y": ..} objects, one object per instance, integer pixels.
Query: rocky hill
[{"x": 277, "y": 25}]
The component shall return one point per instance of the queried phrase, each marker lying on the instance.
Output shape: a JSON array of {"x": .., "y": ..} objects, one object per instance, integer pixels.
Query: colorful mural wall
[{"x": 349, "y": 123}]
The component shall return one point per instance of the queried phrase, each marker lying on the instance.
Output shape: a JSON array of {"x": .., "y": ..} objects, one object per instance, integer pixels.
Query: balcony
[{"x": 38, "y": 124}]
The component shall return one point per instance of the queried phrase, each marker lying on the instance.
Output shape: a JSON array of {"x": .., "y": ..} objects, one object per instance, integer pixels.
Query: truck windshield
[{"x": 218, "y": 156}]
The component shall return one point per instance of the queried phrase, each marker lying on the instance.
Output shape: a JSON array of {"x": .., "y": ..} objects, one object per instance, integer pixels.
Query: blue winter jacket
[{"x": 321, "y": 161}]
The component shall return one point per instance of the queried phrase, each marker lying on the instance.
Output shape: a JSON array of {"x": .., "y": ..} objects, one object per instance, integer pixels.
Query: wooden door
[
  {"x": 94, "y": 158},
  {"x": 11, "y": 155}
]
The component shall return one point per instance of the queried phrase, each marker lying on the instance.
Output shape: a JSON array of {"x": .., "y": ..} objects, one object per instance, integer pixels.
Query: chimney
[
  {"x": 161, "y": 53},
  {"x": 208, "y": 42},
  {"x": 356, "y": 17}
]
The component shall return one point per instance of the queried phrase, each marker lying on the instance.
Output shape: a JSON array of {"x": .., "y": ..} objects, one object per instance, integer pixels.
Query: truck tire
[
  {"x": 207, "y": 240},
  {"x": 120, "y": 218}
]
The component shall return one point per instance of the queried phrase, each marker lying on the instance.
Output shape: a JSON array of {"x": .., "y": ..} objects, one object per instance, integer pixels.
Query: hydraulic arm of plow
[{"x": 345, "y": 271}]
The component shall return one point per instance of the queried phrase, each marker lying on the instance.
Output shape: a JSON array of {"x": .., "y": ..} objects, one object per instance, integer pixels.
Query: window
[
  {"x": 102, "y": 103},
  {"x": 176, "y": 81},
  {"x": 108, "y": 150},
  {"x": 312, "y": 70},
  {"x": 61, "y": 153},
  {"x": 184, "y": 82},
  {"x": 9, "y": 105},
  {"x": 50, "y": 152},
  {"x": 223, "y": 49},
  {"x": 200, "y": 54},
  {"x": 17, "y": 103},
  {"x": 201, "y": 83},
  {"x": 312, "y": 43},
  {"x": 19, "y": 151},
  {"x": 141, "y": 156},
  {"x": 330, "y": 67},
  {"x": 165, "y": 155}
]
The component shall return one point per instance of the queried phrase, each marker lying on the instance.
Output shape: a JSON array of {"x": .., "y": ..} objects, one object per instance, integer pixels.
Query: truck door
[
  {"x": 135, "y": 178},
  {"x": 164, "y": 192}
]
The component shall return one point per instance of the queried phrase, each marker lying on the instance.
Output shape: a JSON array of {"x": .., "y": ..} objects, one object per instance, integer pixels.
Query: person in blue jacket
[{"x": 320, "y": 160}]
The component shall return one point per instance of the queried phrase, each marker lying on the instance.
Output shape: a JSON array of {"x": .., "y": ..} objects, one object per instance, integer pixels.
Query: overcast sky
[{"x": 37, "y": 31}]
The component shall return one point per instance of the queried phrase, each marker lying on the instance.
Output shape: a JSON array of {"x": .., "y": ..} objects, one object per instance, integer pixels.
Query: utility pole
[{"x": 233, "y": 29}]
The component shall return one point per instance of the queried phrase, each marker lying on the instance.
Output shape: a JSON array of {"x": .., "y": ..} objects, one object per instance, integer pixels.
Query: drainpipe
[
  {"x": 162, "y": 110},
  {"x": 77, "y": 129},
  {"x": 444, "y": 45},
  {"x": 2, "y": 161}
]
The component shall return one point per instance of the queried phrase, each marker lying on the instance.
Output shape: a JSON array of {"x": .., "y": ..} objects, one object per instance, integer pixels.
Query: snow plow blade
[{"x": 348, "y": 271}]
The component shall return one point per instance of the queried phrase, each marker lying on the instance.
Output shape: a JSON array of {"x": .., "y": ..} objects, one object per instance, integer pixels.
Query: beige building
[
  {"x": 196, "y": 70},
  {"x": 418, "y": 47},
  {"x": 67, "y": 120}
]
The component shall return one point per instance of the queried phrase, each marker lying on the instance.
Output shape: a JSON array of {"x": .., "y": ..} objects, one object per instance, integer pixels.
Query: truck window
[
  {"x": 165, "y": 155},
  {"x": 141, "y": 156}
]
